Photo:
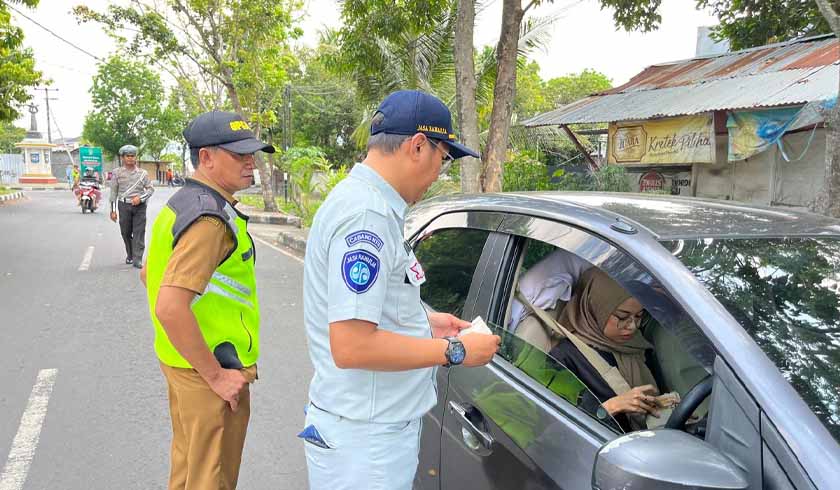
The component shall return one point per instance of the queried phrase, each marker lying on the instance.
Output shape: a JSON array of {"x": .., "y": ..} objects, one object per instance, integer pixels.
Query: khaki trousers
[{"x": 207, "y": 436}]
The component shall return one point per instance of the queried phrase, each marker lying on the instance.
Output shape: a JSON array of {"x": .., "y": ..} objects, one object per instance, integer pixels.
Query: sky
[{"x": 583, "y": 36}]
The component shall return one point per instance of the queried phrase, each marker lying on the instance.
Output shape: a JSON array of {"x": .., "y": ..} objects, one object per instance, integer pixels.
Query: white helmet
[{"x": 128, "y": 150}]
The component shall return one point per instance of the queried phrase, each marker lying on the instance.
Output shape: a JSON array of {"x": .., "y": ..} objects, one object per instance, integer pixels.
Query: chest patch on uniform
[
  {"x": 359, "y": 270},
  {"x": 364, "y": 236}
]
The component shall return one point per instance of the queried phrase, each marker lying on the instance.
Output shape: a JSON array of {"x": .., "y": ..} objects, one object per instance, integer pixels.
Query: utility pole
[
  {"x": 287, "y": 134},
  {"x": 48, "y": 99},
  {"x": 287, "y": 117}
]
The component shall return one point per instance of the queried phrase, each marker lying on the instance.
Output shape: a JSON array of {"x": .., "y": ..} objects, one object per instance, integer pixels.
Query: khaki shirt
[
  {"x": 125, "y": 185},
  {"x": 200, "y": 250}
]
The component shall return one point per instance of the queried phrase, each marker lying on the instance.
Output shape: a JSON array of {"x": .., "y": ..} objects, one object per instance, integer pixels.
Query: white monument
[{"x": 36, "y": 154}]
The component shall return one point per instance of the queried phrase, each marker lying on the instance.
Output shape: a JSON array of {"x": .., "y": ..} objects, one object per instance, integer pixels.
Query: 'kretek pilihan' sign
[{"x": 676, "y": 140}]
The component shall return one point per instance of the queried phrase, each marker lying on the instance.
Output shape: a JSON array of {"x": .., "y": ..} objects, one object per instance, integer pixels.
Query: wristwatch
[{"x": 455, "y": 352}]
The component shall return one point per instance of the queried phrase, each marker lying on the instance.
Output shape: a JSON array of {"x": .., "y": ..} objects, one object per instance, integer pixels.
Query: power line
[
  {"x": 47, "y": 99},
  {"x": 51, "y": 32},
  {"x": 64, "y": 141}
]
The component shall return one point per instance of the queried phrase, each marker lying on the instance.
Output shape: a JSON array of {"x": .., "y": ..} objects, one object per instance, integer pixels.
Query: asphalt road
[{"x": 105, "y": 422}]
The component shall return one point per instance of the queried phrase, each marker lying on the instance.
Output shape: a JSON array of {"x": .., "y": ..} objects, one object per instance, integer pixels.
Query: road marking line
[
  {"x": 85, "y": 265},
  {"x": 287, "y": 254},
  {"x": 26, "y": 440}
]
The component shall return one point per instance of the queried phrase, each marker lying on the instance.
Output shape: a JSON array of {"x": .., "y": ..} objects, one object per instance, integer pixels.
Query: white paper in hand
[{"x": 477, "y": 326}]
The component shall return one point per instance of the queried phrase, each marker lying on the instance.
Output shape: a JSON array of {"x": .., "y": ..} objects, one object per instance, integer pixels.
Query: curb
[
  {"x": 292, "y": 242},
  {"x": 11, "y": 197},
  {"x": 274, "y": 219}
]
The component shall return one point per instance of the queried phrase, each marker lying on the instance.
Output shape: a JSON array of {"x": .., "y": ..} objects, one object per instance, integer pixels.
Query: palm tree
[{"x": 418, "y": 61}]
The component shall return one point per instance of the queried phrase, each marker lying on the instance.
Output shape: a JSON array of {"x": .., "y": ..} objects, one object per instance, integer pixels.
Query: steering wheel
[{"x": 689, "y": 403}]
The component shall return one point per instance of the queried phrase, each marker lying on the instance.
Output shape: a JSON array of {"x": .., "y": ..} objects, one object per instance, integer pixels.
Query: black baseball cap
[
  {"x": 409, "y": 112},
  {"x": 226, "y": 130}
]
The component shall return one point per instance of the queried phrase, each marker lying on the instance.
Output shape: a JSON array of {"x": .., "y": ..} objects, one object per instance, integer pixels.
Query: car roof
[{"x": 665, "y": 217}]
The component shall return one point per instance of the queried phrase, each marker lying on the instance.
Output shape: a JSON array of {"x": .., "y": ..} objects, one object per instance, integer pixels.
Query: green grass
[
  {"x": 256, "y": 201},
  {"x": 5, "y": 190}
]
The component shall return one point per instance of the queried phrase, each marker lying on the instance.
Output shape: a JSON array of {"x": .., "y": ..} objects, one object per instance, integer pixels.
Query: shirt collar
[
  {"x": 227, "y": 195},
  {"x": 369, "y": 175}
]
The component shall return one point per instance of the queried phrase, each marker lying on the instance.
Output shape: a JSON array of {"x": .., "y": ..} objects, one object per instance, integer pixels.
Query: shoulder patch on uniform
[
  {"x": 359, "y": 269},
  {"x": 364, "y": 236}
]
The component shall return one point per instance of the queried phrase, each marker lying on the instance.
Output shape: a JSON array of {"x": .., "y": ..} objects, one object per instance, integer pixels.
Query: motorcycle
[{"x": 88, "y": 195}]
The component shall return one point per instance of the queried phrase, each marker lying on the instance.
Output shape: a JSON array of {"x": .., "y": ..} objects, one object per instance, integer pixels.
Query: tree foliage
[
  {"x": 524, "y": 172},
  {"x": 575, "y": 86},
  {"x": 387, "y": 46},
  {"x": 750, "y": 23},
  {"x": 17, "y": 65},
  {"x": 236, "y": 48},
  {"x": 629, "y": 14},
  {"x": 9, "y": 135},
  {"x": 325, "y": 108},
  {"x": 127, "y": 109},
  {"x": 312, "y": 179}
]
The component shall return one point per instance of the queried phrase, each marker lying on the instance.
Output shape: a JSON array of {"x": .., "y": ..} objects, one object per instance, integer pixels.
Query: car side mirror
[{"x": 664, "y": 460}]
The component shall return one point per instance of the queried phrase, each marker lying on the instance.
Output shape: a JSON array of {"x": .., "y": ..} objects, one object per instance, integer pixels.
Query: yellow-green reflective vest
[{"x": 228, "y": 309}]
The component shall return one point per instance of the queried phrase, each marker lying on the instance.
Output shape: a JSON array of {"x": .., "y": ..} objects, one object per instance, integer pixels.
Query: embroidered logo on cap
[
  {"x": 239, "y": 126},
  {"x": 359, "y": 270},
  {"x": 431, "y": 129}
]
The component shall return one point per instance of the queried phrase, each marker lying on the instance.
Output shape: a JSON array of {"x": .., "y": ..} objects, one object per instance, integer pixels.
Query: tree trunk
[
  {"x": 828, "y": 200},
  {"x": 465, "y": 94},
  {"x": 265, "y": 171},
  {"x": 503, "y": 94}
]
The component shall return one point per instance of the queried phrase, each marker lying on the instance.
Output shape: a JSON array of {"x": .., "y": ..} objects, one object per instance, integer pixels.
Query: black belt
[{"x": 127, "y": 200}]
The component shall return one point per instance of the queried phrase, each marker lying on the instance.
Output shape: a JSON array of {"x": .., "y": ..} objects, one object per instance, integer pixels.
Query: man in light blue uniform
[{"x": 373, "y": 345}]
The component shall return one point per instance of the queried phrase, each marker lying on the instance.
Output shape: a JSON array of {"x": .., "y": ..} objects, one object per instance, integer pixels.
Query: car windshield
[{"x": 785, "y": 292}]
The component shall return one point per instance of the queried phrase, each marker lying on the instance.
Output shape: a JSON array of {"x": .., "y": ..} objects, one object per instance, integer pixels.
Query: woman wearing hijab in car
[{"x": 606, "y": 317}]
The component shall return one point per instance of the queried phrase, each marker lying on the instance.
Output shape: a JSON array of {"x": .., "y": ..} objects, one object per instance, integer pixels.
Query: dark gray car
[{"x": 742, "y": 309}]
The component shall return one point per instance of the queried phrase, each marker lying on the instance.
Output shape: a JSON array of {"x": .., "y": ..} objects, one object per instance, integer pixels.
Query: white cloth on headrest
[{"x": 549, "y": 280}]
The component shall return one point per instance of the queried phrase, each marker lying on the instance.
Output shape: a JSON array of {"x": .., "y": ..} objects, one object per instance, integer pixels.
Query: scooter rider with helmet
[{"x": 130, "y": 189}]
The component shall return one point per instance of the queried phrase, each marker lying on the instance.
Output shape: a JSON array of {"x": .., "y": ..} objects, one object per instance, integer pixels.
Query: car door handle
[{"x": 483, "y": 439}]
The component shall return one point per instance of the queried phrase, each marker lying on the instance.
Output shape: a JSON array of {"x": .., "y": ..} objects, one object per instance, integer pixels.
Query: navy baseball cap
[
  {"x": 226, "y": 130},
  {"x": 409, "y": 112}
]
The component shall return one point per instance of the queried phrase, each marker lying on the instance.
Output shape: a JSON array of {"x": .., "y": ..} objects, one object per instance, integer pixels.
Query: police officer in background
[
  {"x": 130, "y": 189},
  {"x": 373, "y": 345},
  {"x": 202, "y": 292}
]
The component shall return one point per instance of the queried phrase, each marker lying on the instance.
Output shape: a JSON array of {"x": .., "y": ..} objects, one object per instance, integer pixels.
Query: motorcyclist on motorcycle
[
  {"x": 89, "y": 186},
  {"x": 90, "y": 178}
]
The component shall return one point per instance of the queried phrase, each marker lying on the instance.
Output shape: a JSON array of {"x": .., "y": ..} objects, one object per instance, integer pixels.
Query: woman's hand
[{"x": 640, "y": 399}]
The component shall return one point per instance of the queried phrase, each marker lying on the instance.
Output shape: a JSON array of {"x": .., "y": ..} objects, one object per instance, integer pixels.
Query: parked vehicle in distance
[{"x": 741, "y": 308}]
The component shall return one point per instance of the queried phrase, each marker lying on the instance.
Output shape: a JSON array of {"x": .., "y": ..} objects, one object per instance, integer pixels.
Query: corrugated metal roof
[{"x": 794, "y": 72}]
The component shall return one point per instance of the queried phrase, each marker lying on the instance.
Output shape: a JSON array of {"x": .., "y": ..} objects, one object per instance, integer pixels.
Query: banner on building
[
  {"x": 676, "y": 140},
  {"x": 751, "y": 132}
]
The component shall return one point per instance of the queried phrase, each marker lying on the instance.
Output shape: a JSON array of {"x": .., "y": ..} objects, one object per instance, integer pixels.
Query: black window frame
[
  {"x": 467, "y": 220},
  {"x": 586, "y": 244}
]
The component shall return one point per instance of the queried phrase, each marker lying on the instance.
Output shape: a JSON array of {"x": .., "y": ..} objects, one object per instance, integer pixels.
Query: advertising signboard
[
  {"x": 676, "y": 140},
  {"x": 90, "y": 157}
]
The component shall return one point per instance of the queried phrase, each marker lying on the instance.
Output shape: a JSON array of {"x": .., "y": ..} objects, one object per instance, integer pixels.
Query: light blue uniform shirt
[{"x": 358, "y": 267}]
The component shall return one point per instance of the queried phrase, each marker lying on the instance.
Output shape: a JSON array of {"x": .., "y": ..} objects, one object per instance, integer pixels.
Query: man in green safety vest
[{"x": 199, "y": 275}]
